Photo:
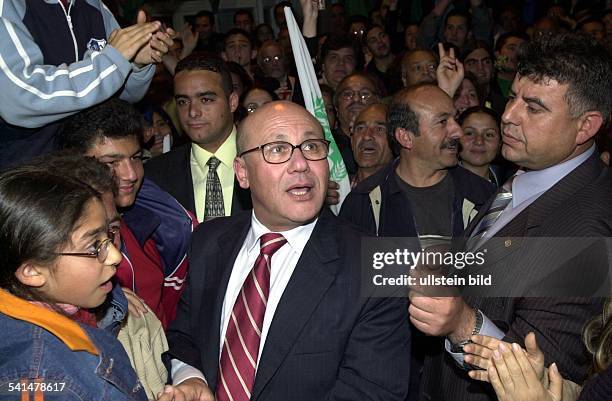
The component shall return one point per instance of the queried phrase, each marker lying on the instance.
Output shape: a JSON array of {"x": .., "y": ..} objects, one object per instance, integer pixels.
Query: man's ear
[
  {"x": 224, "y": 56},
  {"x": 404, "y": 137},
  {"x": 253, "y": 53},
  {"x": 241, "y": 172},
  {"x": 588, "y": 126},
  {"x": 32, "y": 275},
  {"x": 233, "y": 101}
]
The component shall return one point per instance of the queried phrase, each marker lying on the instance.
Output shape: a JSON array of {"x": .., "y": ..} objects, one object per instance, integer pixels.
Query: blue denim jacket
[{"x": 60, "y": 359}]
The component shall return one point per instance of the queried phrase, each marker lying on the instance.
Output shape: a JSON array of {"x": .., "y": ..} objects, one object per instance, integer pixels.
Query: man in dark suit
[
  {"x": 306, "y": 332},
  {"x": 200, "y": 174},
  {"x": 559, "y": 100}
]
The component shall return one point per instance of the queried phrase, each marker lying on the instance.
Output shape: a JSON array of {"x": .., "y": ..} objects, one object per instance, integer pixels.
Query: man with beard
[
  {"x": 369, "y": 142},
  {"x": 353, "y": 94}
]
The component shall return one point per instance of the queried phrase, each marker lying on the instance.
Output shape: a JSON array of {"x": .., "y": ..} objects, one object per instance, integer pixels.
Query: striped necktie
[
  {"x": 502, "y": 198},
  {"x": 238, "y": 361}
]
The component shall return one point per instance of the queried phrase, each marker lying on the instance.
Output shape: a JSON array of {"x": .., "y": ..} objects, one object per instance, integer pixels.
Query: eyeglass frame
[
  {"x": 94, "y": 254},
  {"x": 293, "y": 147},
  {"x": 344, "y": 94},
  {"x": 269, "y": 59}
]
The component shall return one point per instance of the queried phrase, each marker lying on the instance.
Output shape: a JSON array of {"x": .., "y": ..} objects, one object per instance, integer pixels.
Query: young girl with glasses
[{"x": 55, "y": 258}]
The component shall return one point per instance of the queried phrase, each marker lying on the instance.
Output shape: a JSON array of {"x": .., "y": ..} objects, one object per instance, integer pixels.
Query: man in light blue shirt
[{"x": 559, "y": 100}]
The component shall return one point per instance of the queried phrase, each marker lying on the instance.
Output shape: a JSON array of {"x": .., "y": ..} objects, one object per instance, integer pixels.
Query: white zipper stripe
[{"x": 69, "y": 20}]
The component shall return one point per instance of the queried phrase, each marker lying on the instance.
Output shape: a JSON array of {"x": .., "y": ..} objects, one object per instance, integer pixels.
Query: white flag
[{"x": 314, "y": 104}]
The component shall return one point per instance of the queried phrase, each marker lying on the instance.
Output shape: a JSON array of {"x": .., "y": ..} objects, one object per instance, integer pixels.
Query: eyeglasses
[
  {"x": 101, "y": 252},
  {"x": 280, "y": 152},
  {"x": 251, "y": 107},
  {"x": 363, "y": 94},
  {"x": 268, "y": 60}
]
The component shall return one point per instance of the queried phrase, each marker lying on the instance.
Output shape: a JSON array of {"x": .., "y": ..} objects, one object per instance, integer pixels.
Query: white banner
[{"x": 314, "y": 104}]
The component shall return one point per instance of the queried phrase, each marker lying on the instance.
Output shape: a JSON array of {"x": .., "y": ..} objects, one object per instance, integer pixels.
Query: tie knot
[
  {"x": 213, "y": 163},
  {"x": 271, "y": 242}
]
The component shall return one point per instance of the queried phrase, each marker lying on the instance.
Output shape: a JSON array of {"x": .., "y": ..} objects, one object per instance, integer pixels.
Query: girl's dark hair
[
  {"x": 480, "y": 109},
  {"x": 147, "y": 111},
  {"x": 38, "y": 212}
]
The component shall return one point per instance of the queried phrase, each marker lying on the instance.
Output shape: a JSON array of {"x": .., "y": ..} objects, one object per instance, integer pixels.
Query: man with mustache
[
  {"x": 422, "y": 193},
  {"x": 274, "y": 309}
]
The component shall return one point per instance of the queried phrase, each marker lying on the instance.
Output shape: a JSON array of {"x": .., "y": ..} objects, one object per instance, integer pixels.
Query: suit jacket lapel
[
  {"x": 313, "y": 275},
  {"x": 186, "y": 184},
  {"x": 229, "y": 246}
]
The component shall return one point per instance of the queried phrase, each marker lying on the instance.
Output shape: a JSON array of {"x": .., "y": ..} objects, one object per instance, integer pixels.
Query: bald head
[
  {"x": 287, "y": 171},
  {"x": 408, "y": 103},
  {"x": 247, "y": 132}
]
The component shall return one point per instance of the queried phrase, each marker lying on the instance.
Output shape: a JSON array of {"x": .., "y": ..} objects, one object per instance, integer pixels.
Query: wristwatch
[{"x": 458, "y": 348}]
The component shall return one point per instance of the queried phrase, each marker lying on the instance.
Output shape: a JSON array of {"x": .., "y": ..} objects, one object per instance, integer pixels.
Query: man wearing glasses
[
  {"x": 353, "y": 94},
  {"x": 273, "y": 62},
  {"x": 274, "y": 309}
]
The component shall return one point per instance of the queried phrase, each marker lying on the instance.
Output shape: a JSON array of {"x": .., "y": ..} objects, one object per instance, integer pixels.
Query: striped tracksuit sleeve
[{"x": 35, "y": 94}]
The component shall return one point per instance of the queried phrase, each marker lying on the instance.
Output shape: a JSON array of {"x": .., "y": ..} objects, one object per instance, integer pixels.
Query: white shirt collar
[{"x": 296, "y": 237}]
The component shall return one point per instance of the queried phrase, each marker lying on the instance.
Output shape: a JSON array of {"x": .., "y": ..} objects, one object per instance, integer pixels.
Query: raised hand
[
  {"x": 310, "y": 10},
  {"x": 190, "y": 40},
  {"x": 129, "y": 41},
  {"x": 158, "y": 45},
  {"x": 449, "y": 72}
]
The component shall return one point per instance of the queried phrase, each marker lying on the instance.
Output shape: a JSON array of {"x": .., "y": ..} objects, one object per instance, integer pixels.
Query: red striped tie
[{"x": 241, "y": 346}]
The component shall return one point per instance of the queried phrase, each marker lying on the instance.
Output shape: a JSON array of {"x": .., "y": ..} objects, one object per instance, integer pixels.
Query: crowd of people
[{"x": 165, "y": 221}]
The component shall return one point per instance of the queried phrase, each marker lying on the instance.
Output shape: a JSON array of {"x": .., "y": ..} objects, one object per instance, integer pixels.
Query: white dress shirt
[{"x": 283, "y": 264}]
